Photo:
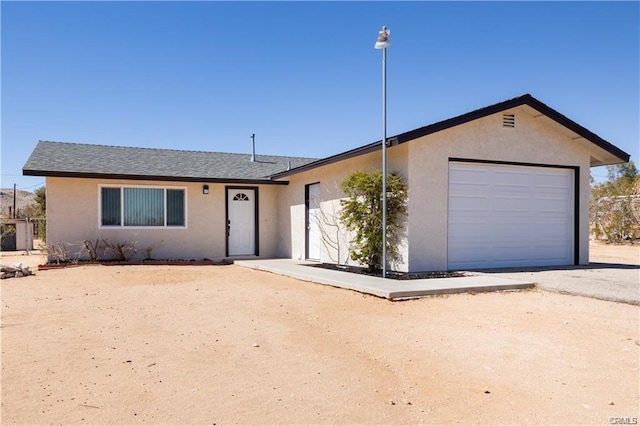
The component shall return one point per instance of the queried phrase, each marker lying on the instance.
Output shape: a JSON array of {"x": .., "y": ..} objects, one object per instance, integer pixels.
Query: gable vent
[{"x": 508, "y": 120}]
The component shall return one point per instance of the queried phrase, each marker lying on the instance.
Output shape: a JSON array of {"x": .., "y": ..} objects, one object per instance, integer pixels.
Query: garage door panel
[
  {"x": 551, "y": 206},
  {"x": 508, "y": 232},
  {"x": 551, "y": 180},
  {"x": 472, "y": 186},
  {"x": 507, "y": 258},
  {"x": 508, "y": 226},
  {"x": 471, "y": 176},
  {"x": 464, "y": 204},
  {"x": 509, "y": 182},
  {"x": 552, "y": 252},
  {"x": 505, "y": 205},
  {"x": 509, "y": 216}
]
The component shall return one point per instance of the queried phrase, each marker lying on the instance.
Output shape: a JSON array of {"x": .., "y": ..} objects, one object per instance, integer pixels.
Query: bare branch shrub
[
  {"x": 120, "y": 250},
  {"x": 148, "y": 250},
  {"x": 59, "y": 252},
  {"x": 331, "y": 233},
  {"x": 615, "y": 205},
  {"x": 90, "y": 249}
]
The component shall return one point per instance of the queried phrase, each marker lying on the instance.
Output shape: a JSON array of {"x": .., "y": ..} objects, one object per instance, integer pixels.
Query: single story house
[{"x": 503, "y": 186}]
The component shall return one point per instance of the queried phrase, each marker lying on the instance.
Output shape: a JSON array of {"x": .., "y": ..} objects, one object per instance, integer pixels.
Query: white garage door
[{"x": 507, "y": 216}]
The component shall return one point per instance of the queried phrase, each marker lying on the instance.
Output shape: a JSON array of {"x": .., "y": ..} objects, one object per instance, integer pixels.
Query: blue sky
[{"x": 302, "y": 76}]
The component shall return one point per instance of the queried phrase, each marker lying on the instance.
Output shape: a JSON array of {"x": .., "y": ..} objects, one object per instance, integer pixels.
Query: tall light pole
[{"x": 382, "y": 43}]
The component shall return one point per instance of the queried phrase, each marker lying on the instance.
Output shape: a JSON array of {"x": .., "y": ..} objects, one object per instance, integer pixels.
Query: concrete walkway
[{"x": 387, "y": 288}]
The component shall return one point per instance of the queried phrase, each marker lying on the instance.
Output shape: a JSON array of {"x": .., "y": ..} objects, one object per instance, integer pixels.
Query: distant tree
[
  {"x": 615, "y": 204},
  {"x": 40, "y": 198},
  {"x": 30, "y": 210},
  {"x": 38, "y": 209},
  {"x": 624, "y": 174},
  {"x": 362, "y": 214}
]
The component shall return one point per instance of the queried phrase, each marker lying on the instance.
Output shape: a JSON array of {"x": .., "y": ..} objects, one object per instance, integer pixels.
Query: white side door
[
  {"x": 313, "y": 221},
  {"x": 241, "y": 221}
]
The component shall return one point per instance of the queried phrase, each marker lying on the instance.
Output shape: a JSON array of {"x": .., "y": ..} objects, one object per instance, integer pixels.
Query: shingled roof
[
  {"x": 117, "y": 162},
  {"x": 64, "y": 159}
]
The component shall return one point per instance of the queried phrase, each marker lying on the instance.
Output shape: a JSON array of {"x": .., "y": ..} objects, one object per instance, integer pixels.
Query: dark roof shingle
[{"x": 84, "y": 160}]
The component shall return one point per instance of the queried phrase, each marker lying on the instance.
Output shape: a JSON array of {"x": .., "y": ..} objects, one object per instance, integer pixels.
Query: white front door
[
  {"x": 241, "y": 221},
  {"x": 313, "y": 221}
]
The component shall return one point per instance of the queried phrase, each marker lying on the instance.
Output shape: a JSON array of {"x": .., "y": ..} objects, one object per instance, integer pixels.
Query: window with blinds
[{"x": 142, "y": 207}]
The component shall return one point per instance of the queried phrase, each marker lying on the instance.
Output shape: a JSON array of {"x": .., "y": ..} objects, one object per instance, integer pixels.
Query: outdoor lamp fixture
[
  {"x": 205, "y": 189},
  {"x": 382, "y": 43}
]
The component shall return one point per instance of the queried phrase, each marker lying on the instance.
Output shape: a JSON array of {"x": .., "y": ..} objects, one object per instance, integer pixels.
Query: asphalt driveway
[{"x": 616, "y": 282}]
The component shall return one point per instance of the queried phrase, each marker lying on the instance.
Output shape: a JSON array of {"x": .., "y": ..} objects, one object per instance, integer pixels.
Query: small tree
[{"x": 362, "y": 214}]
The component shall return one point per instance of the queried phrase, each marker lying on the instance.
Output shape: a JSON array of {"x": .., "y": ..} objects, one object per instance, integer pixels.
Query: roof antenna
[{"x": 253, "y": 147}]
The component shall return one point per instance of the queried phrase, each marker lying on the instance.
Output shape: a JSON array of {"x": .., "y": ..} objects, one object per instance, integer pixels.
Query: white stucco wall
[
  {"x": 291, "y": 226},
  {"x": 72, "y": 216},
  {"x": 532, "y": 140},
  {"x": 268, "y": 220},
  {"x": 424, "y": 162}
]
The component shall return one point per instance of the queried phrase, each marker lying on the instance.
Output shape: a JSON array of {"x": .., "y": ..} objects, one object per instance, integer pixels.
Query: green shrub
[{"x": 362, "y": 215}]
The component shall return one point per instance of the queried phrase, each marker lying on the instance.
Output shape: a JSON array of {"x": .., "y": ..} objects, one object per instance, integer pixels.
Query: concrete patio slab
[{"x": 386, "y": 288}]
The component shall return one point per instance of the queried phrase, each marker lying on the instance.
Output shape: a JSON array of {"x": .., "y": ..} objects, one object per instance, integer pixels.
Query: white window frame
[{"x": 122, "y": 225}]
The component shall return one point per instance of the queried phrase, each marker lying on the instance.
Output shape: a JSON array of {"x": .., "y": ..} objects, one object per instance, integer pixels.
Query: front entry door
[
  {"x": 241, "y": 221},
  {"x": 313, "y": 221}
]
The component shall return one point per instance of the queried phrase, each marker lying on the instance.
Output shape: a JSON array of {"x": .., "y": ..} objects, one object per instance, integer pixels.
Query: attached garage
[
  {"x": 506, "y": 215},
  {"x": 504, "y": 186}
]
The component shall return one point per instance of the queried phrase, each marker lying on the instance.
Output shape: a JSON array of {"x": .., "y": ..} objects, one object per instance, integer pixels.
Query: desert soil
[{"x": 228, "y": 345}]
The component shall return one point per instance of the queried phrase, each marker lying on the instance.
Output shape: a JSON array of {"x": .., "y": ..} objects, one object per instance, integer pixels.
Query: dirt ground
[
  {"x": 610, "y": 253},
  {"x": 228, "y": 345}
]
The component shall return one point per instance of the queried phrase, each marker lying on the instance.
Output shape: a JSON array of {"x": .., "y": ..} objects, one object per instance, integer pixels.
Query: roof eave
[
  {"x": 526, "y": 99},
  {"x": 561, "y": 119},
  {"x": 372, "y": 147},
  {"x": 155, "y": 178}
]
